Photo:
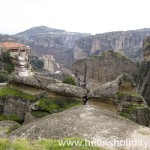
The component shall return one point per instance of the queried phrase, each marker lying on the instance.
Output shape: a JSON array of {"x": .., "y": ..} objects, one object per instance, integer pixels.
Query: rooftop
[{"x": 11, "y": 45}]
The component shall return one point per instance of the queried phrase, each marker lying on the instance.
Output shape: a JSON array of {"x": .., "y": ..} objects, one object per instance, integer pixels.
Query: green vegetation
[
  {"x": 39, "y": 64},
  {"x": 130, "y": 109},
  {"x": 39, "y": 114},
  {"x": 9, "y": 91},
  {"x": 10, "y": 68},
  {"x": 132, "y": 94},
  {"x": 13, "y": 117},
  {"x": 108, "y": 52},
  {"x": 69, "y": 80},
  {"x": 57, "y": 104},
  {"x": 124, "y": 114},
  {"x": 3, "y": 76},
  {"x": 45, "y": 144},
  {"x": 9, "y": 64}
]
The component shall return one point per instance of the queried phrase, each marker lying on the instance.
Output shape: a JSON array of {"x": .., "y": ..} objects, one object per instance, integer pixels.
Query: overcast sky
[{"x": 90, "y": 16}]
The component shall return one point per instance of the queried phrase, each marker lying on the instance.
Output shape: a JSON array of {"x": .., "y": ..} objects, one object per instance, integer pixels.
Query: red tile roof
[{"x": 11, "y": 45}]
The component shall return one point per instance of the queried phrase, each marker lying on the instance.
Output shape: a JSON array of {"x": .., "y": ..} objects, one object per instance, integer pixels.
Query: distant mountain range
[{"x": 66, "y": 46}]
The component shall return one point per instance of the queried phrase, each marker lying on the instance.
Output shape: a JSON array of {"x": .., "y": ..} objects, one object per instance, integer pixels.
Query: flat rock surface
[
  {"x": 66, "y": 89},
  {"x": 87, "y": 122},
  {"x": 35, "y": 81}
]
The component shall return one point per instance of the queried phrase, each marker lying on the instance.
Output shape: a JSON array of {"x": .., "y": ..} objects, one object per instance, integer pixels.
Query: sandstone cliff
[
  {"x": 120, "y": 96},
  {"x": 127, "y": 42},
  {"x": 102, "y": 69},
  {"x": 144, "y": 76}
]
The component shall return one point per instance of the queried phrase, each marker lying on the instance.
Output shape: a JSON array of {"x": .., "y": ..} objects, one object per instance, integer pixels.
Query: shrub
[
  {"x": 3, "y": 77},
  {"x": 9, "y": 64},
  {"x": 69, "y": 80}
]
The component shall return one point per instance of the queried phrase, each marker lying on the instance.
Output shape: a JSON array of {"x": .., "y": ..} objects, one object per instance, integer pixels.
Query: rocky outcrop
[
  {"x": 34, "y": 81},
  {"x": 101, "y": 69},
  {"x": 127, "y": 42},
  {"x": 7, "y": 126},
  {"x": 87, "y": 122},
  {"x": 67, "y": 90},
  {"x": 144, "y": 81},
  {"x": 124, "y": 83},
  {"x": 22, "y": 66},
  {"x": 27, "y": 98},
  {"x": 41, "y": 84},
  {"x": 120, "y": 96},
  {"x": 146, "y": 49},
  {"x": 15, "y": 107},
  {"x": 144, "y": 75}
]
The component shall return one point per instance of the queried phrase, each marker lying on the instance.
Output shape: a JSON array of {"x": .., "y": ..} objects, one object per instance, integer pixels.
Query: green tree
[
  {"x": 69, "y": 80},
  {"x": 6, "y": 57},
  {"x": 10, "y": 68},
  {"x": 38, "y": 64},
  {"x": 9, "y": 64}
]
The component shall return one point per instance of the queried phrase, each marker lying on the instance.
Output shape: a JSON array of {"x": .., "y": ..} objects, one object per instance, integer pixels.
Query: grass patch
[
  {"x": 57, "y": 104},
  {"x": 45, "y": 144},
  {"x": 132, "y": 94},
  {"x": 9, "y": 91},
  {"x": 4, "y": 144},
  {"x": 13, "y": 117}
]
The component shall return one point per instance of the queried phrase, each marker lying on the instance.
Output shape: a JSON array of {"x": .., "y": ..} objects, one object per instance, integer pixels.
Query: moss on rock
[
  {"x": 9, "y": 91},
  {"x": 57, "y": 104},
  {"x": 13, "y": 117}
]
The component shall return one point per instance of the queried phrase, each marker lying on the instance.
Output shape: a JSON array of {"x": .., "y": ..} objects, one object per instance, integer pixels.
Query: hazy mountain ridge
[
  {"x": 56, "y": 42},
  {"x": 68, "y": 46},
  {"x": 128, "y": 43}
]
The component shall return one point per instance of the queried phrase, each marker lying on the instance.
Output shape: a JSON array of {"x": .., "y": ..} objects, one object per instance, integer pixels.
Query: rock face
[
  {"x": 102, "y": 69},
  {"x": 87, "y": 122},
  {"x": 35, "y": 81},
  {"x": 22, "y": 67},
  {"x": 146, "y": 49},
  {"x": 144, "y": 76},
  {"x": 124, "y": 82},
  {"x": 50, "y": 64},
  {"x": 13, "y": 105},
  {"x": 120, "y": 96},
  {"x": 127, "y": 42}
]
